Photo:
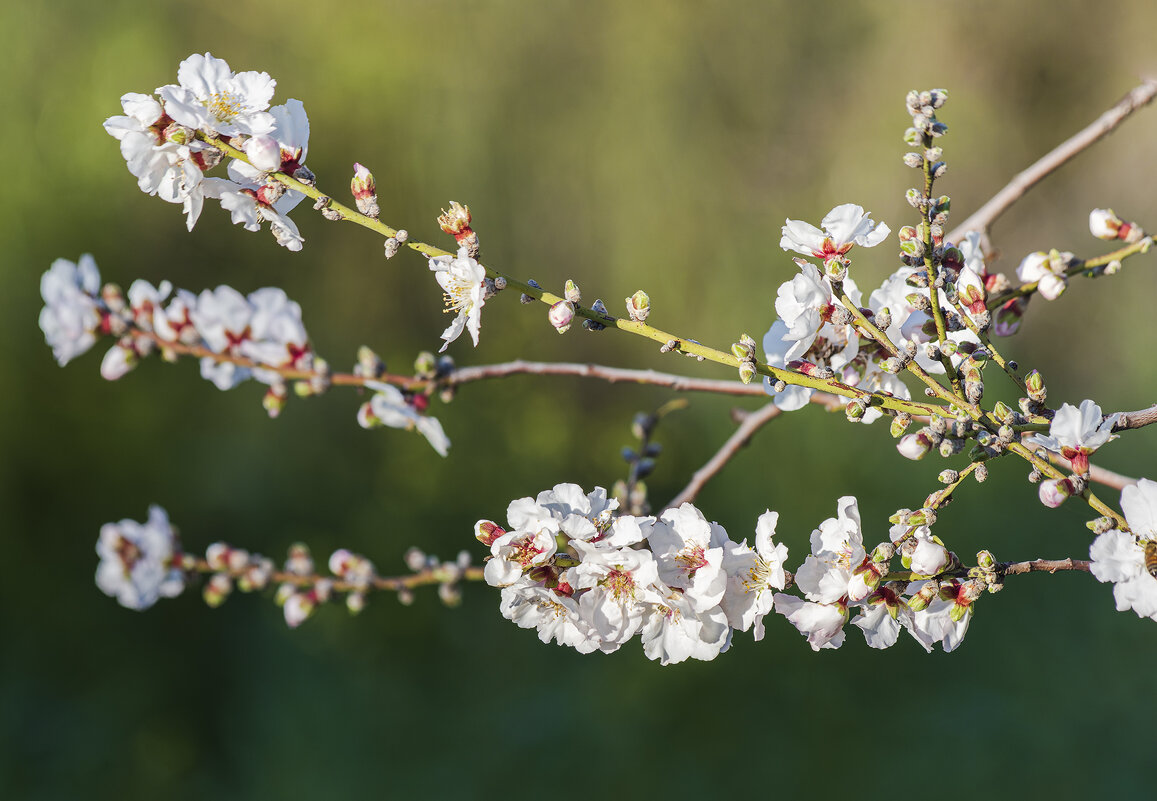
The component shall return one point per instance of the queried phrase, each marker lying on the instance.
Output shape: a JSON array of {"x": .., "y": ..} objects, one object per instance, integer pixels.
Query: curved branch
[
  {"x": 987, "y": 214},
  {"x": 752, "y": 422}
]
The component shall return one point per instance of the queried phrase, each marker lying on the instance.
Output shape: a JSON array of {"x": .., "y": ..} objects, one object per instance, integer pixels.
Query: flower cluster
[
  {"x": 585, "y": 578},
  {"x": 258, "y": 336},
  {"x": 1128, "y": 559},
  {"x": 163, "y": 141},
  {"x": 840, "y": 576}
]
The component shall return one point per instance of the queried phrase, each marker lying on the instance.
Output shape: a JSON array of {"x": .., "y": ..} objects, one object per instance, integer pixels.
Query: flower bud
[
  {"x": 571, "y": 291},
  {"x": 855, "y": 409},
  {"x": 900, "y": 424},
  {"x": 985, "y": 560},
  {"x": 929, "y": 558},
  {"x": 948, "y": 476},
  {"x": 299, "y": 562},
  {"x": 1055, "y": 491},
  {"x": 297, "y": 608},
  {"x": 639, "y": 306},
  {"x": 456, "y": 222},
  {"x": 914, "y": 160},
  {"x": 1034, "y": 384},
  {"x": 1104, "y": 224},
  {"x": 914, "y": 446},
  {"x": 217, "y": 589},
  {"x": 118, "y": 361},
  {"x": 274, "y": 400},
  {"x": 264, "y": 153},
  {"x": 365, "y": 194},
  {"x": 355, "y": 602},
  {"x": 561, "y": 315},
  {"x": 746, "y": 371}
]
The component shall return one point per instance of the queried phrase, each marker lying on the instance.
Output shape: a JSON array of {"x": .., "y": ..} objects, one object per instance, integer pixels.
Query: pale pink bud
[
  {"x": 914, "y": 446},
  {"x": 298, "y": 607},
  {"x": 1104, "y": 224},
  {"x": 264, "y": 153},
  {"x": 561, "y": 315},
  {"x": 1054, "y": 492},
  {"x": 117, "y": 362},
  {"x": 929, "y": 558}
]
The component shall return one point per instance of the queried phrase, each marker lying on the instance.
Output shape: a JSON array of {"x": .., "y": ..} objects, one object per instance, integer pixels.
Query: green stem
[{"x": 1086, "y": 266}]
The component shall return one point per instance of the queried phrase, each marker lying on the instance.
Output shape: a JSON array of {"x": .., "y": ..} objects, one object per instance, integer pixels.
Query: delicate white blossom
[
  {"x": 463, "y": 282},
  {"x": 138, "y": 561},
  {"x": 389, "y": 407},
  {"x": 843, "y": 227},
  {"x": 1117, "y": 556},
  {"x": 212, "y": 98},
  {"x": 1075, "y": 433},
  {"x": 71, "y": 315}
]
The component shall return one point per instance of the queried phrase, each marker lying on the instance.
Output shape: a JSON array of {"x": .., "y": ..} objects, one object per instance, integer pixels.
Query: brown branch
[
  {"x": 427, "y": 576},
  {"x": 752, "y": 422},
  {"x": 987, "y": 214},
  {"x": 1137, "y": 419},
  {"x": 1043, "y": 565}
]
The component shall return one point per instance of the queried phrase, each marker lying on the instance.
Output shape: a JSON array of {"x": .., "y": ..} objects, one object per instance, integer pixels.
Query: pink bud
[
  {"x": 1054, "y": 492},
  {"x": 264, "y": 153},
  {"x": 561, "y": 315},
  {"x": 913, "y": 446}
]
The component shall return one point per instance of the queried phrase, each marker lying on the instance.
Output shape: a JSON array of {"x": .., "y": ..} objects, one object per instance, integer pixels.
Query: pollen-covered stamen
[
  {"x": 526, "y": 551},
  {"x": 620, "y": 582},
  {"x": 758, "y": 578},
  {"x": 691, "y": 559},
  {"x": 225, "y": 106},
  {"x": 672, "y": 614},
  {"x": 457, "y": 299}
]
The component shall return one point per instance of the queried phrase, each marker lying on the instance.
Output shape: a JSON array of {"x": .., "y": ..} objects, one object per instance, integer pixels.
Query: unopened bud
[
  {"x": 486, "y": 532},
  {"x": 561, "y": 315},
  {"x": 948, "y": 476},
  {"x": 914, "y": 446},
  {"x": 747, "y": 371},
  {"x": 900, "y": 424},
  {"x": 914, "y": 160},
  {"x": 571, "y": 291},
  {"x": 855, "y": 409},
  {"x": 1034, "y": 384},
  {"x": 1055, "y": 491},
  {"x": 217, "y": 589},
  {"x": 263, "y": 153},
  {"x": 639, "y": 306}
]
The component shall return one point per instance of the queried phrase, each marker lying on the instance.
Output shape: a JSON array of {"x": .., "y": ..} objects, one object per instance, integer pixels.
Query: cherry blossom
[
  {"x": 71, "y": 314},
  {"x": 212, "y": 98},
  {"x": 389, "y": 407},
  {"x": 843, "y": 227},
  {"x": 139, "y": 561},
  {"x": 463, "y": 281}
]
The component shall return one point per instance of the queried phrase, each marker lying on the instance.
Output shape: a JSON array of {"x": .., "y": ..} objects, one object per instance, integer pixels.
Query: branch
[
  {"x": 1137, "y": 419},
  {"x": 752, "y": 422},
  {"x": 1097, "y": 474},
  {"x": 1043, "y": 565},
  {"x": 986, "y": 215}
]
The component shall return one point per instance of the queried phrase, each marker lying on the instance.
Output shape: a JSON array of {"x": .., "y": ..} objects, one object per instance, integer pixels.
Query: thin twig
[
  {"x": 1137, "y": 419},
  {"x": 1043, "y": 566},
  {"x": 752, "y": 422},
  {"x": 983, "y": 218}
]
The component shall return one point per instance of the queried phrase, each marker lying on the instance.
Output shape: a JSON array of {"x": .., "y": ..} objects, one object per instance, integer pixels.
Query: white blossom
[
  {"x": 463, "y": 282},
  {"x": 1118, "y": 557},
  {"x": 138, "y": 561},
  {"x": 843, "y": 227},
  {"x": 682, "y": 541},
  {"x": 212, "y": 98},
  {"x": 71, "y": 315},
  {"x": 752, "y": 575},
  {"x": 1076, "y": 431},
  {"x": 389, "y": 407}
]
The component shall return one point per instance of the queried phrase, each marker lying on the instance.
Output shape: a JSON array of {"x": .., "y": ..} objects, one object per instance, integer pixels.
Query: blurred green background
[{"x": 647, "y": 144}]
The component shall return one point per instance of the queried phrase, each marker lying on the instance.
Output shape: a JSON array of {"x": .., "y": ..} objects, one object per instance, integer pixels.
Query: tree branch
[
  {"x": 752, "y": 422},
  {"x": 1137, "y": 419},
  {"x": 1043, "y": 565},
  {"x": 987, "y": 214}
]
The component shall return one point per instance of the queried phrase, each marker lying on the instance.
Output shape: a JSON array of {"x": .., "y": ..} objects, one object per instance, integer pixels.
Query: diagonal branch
[
  {"x": 986, "y": 215},
  {"x": 1137, "y": 419},
  {"x": 752, "y": 422}
]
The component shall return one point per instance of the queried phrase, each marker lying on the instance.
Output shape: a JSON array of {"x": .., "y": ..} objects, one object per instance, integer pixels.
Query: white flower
[
  {"x": 882, "y": 617},
  {"x": 1047, "y": 270},
  {"x": 463, "y": 281},
  {"x": 71, "y": 315},
  {"x": 673, "y": 630},
  {"x": 137, "y": 561},
  {"x": 1075, "y": 433},
  {"x": 752, "y": 575},
  {"x": 517, "y": 552},
  {"x": 682, "y": 541},
  {"x": 246, "y": 207},
  {"x": 837, "y": 549},
  {"x": 799, "y": 304},
  {"x": 389, "y": 407},
  {"x": 276, "y": 333},
  {"x": 1118, "y": 557},
  {"x": 620, "y": 587},
  {"x": 822, "y": 624},
  {"x": 214, "y": 99},
  {"x": 166, "y": 169},
  {"x": 843, "y": 227},
  {"x": 554, "y": 614},
  {"x": 944, "y": 620}
]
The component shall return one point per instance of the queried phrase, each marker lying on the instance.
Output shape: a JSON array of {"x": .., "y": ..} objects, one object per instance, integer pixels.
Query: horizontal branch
[
  {"x": 983, "y": 218},
  {"x": 1137, "y": 419},
  {"x": 1043, "y": 566},
  {"x": 435, "y": 575}
]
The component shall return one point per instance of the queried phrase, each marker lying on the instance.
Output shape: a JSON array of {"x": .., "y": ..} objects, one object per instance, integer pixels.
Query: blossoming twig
[{"x": 983, "y": 218}]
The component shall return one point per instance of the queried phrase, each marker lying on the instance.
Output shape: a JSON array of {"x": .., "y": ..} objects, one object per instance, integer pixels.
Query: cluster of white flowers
[
  {"x": 1129, "y": 558},
  {"x": 813, "y": 333},
  {"x": 264, "y": 327},
  {"x": 585, "y": 578},
  {"x": 159, "y": 141},
  {"x": 140, "y": 562}
]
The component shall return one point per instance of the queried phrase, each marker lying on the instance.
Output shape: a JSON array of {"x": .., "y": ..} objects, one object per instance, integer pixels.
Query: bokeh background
[{"x": 646, "y": 144}]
